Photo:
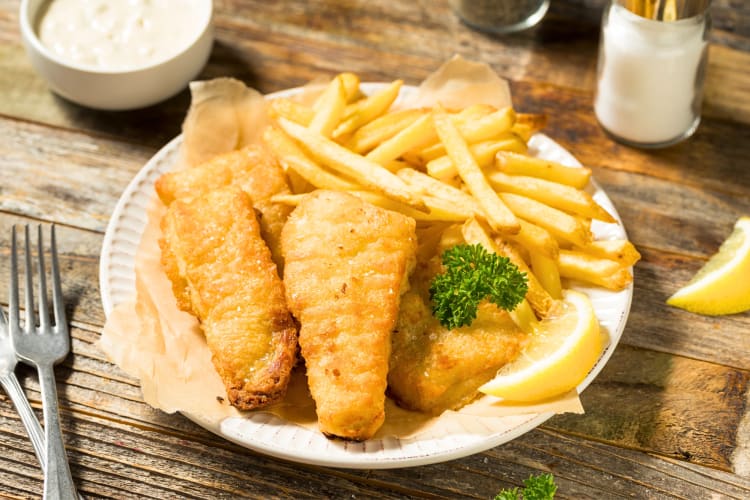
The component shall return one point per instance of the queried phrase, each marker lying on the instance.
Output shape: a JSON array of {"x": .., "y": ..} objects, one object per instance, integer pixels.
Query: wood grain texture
[{"x": 668, "y": 417}]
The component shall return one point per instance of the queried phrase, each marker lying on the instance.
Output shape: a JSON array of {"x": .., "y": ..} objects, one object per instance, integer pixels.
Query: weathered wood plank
[
  {"x": 73, "y": 176},
  {"x": 595, "y": 470},
  {"x": 129, "y": 460},
  {"x": 665, "y": 404}
]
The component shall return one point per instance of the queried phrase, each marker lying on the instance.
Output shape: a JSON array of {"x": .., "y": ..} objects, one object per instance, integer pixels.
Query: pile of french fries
[{"x": 465, "y": 170}]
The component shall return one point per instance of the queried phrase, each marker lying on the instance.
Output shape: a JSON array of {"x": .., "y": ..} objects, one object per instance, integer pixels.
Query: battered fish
[
  {"x": 222, "y": 272},
  {"x": 346, "y": 264},
  {"x": 254, "y": 170},
  {"x": 433, "y": 369}
]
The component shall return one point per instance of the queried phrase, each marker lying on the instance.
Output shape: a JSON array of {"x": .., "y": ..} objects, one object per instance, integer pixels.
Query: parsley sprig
[
  {"x": 540, "y": 487},
  {"x": 472, "y": 274}
]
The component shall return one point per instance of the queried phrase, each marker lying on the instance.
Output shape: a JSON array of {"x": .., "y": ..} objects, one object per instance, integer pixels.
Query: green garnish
[
  {"x": 472, "y": 274},
  {"x": 541, "y": 487}
]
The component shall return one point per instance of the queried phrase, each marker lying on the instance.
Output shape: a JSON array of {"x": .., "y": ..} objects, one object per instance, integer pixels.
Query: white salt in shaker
[{"x": 652, "y": 62}]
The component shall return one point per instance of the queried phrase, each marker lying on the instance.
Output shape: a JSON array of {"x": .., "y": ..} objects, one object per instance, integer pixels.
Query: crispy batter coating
[
  {"x": 221, "y": 271},
  {"x": 433, "y": 369},
  {"x": 253, "y": 169},
  {"x": 346, "y": 264}
]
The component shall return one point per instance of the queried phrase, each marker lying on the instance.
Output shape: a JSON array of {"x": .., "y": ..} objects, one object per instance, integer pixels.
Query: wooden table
[{"x": 669, "y": 416}]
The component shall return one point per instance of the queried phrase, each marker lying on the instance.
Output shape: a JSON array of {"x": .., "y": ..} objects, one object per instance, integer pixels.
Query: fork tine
[
  {"x": 43, "y": 303},
  {"x": 13, "y": 319},
  {"x": 61, "y": 321},
  {"x": 29, "y": 290}
]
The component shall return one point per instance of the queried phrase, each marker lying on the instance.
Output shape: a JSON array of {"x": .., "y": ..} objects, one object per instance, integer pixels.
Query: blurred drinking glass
[{"x": 500, "y": 16}]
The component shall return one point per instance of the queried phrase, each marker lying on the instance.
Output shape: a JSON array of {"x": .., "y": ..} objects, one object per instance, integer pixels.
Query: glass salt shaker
[
  {"x": 651, "y": 68},
  {"x": 500, "y": 16}
]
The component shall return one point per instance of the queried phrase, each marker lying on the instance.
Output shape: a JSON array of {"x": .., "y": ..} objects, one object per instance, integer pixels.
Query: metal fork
[
  {"x": 42, "y": 347},
  {"x": 13, "y": 389}
]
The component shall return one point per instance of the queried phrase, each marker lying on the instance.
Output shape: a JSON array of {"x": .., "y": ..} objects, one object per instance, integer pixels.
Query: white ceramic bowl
[{"x": 117, "y": 89}]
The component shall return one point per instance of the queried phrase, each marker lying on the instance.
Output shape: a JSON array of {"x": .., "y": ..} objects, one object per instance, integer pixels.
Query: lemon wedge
[
  {"x": 722, "y": 285},
  {"x": 562, "y": 351}
]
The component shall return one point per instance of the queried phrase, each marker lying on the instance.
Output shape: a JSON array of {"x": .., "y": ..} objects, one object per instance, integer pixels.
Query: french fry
[
  {"x": 396, "y": 165},
  {"x": 350, "y": 82},
  {"x": 428, "y": 238},
  {"x": 497, "y": 213},
  {"x": 620, "y": 250},
  {"x": 554, "y": 194},
  {"x": 561, "y": 225},
  {"x": 528, "y": 124},
  {"x": 485, "y": 128},
  {"x": 426, "y": 185},
  {"x": 330, "y": 108},
  {"x": 483, "y": 152},
  {"x": 523, "y": 316},
  {"x": 539, "y": 299},
  {"x": 489, "y": 126},
  {"x": 474, "y": 232},
  {"x": 420, "y": 132},
  {"x": 581, "y": 266},
  {"x": 522, "y": 131},
  {"x": 442, "y": 209},
  {"x": 518, "y": 164},
  {"x": 277, "y": 147},
  {"x": 535, "y": 239},
  {"x": 439, "y": 210},
  {"x": 282, "y": 107},
  {"x": 471, "y": 113},
  {"x": 534, "y": 121},
  {"x": 288, "y": 199},
  {"x": 367, "y": 173},
  {"x": 382, "y": 128},
  {"x": 350, "y": 87},
  {"x": 293, "y": 159},
  {"x": 438, "y": 215},
  {"x": 452, "y": 236},
  {"x": 420, "y": 157},
  {"x": 365, "y": 110},
  {"x": 546, "y": 271},
  {"x": 480, "y": 185}
]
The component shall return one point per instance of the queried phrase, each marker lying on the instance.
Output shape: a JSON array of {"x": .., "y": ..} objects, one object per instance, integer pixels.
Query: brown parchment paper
[{"x": 152, "y": 340}]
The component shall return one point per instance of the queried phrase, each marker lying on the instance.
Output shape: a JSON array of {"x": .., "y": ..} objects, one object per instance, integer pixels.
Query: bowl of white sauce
[{"x": 117, "y": 54}]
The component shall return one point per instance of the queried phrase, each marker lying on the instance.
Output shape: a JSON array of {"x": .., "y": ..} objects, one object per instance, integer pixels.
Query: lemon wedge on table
[
  {"x": 562, "y": 350},
  {"x": 722, "y": 285}
]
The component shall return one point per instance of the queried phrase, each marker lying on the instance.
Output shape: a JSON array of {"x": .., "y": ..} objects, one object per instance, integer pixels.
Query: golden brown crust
[
  {"x": 343, "y": 278},
  {"x": 433, "y": 369},
  {"x": 222, "y": 272},
  {"x": 253, "y": 169}
]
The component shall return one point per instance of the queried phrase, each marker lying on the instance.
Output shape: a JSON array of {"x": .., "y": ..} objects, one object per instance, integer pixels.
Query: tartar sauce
[{"x": 120, "y": 34}]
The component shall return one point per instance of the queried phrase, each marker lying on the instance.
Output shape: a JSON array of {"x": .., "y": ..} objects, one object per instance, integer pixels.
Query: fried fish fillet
[
  {"x": 433, "y": 369},
  {"x": 252, "y": 169},
  {"x": 346, "y": 264},
  {"x": 221, "y": 271}
]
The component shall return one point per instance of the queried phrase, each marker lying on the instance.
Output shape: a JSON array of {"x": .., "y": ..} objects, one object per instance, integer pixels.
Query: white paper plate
[{"x": 273, "y": 436}]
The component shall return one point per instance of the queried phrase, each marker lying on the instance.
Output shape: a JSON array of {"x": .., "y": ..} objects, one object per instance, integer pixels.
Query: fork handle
[
  {"x": 58, "y": 483},
  {"x": 33, "y": 429}
]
